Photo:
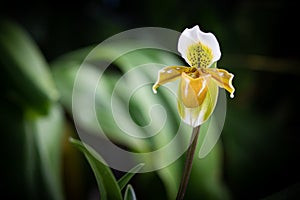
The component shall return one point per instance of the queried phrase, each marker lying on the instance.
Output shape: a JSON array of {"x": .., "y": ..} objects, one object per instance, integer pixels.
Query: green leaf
[
  {"x": 64, "y": 74},
  {"x": 129, "y": 193},
  {"x": 126, "y": 178},
  {"x": 49, "y": 144},
  {"x": 64, "y": 70},
  {"x": 107, "y": 183},
  {"x": 25, "y": 70},
  {"x": 43, "y": 154},
  {"x": 170, "y": 174}
]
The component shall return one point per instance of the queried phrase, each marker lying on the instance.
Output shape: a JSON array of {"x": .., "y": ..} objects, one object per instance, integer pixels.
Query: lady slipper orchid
[{"x": 198, "y": 88}]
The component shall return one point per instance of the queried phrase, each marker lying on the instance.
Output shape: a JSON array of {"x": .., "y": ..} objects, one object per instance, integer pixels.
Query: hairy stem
[{"x": 188, "y": 163}]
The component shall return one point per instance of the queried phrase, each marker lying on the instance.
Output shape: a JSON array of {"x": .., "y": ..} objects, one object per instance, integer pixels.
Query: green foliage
[
  {"x": 33, "y": 153},
  {"x": 33, "y": 120},
  {"x": 39, "y": 117},
  {"x": 43, "y": 151},
  {"x": 64, "y": 71},
  {"x": 25, "y": 69},
  {"x": 107, "y": 183},
  {"x": 257, "y": 153},
  {"x": 129, "y": 193},
  {"x": 122, "y": 182},
  {"x": 41, "y": 124},
  {"x": 169, "y": 174},
  {"x": 108, "y": 186}
]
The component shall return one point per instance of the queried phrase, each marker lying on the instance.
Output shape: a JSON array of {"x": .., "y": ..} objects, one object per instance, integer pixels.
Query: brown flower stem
[{"x": 188, "y": 163}]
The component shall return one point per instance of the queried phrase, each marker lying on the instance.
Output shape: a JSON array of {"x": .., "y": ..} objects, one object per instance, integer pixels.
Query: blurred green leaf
[
  {"x": 126, "y": 178},
  {"x": 25, "y": 70},
  {"x": 43, "y": 154},
  {"x": 107, "y": 183},
  {"x": 64, "y": 77},
  {"x": 129, "y": 193},
  {"x": 12, "y": 173},
  {"x": 64, "y": 72},
  {"x": 32, "y": 164},
  {"x": 169, "y": 175}
]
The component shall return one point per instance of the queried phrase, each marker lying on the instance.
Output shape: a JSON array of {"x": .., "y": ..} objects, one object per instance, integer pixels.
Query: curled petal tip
[
  {"x": 154, "y": 90},
  {"x": 223, "y": 78},
  {"x": 231, "y": 86}
]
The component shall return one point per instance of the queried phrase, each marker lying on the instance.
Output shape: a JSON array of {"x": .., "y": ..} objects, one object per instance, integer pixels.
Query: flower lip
[
  {"x": 193, "y": 90},
  {"x": 196, "y": 36}
]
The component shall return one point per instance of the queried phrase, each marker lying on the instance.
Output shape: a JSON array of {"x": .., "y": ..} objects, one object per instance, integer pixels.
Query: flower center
[{"x": 199, "y": 55}]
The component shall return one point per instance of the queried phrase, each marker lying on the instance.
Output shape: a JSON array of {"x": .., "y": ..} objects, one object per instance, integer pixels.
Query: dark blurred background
[{"x": 260, "y": 45}]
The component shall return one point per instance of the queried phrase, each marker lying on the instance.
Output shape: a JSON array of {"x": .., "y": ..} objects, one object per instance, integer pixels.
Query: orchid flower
[{"x": 198, "y": 88}]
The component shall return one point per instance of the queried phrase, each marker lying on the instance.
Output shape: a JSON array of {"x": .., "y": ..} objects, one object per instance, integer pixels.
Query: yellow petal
[
  {"x": 223, "y": 78},
  {"x": 170, "y": 73},
  {"x": 196, "y": 99}
]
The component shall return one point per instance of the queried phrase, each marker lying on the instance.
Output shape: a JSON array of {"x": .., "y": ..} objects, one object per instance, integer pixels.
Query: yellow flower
[{"x": 198, "y": 88}]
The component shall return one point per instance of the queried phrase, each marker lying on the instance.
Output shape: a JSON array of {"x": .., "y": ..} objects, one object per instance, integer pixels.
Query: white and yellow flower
[{"x": 198, "y": 89}]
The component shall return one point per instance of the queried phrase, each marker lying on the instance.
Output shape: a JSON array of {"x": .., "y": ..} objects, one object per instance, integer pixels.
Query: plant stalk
[{"x": 188, "y": 163}]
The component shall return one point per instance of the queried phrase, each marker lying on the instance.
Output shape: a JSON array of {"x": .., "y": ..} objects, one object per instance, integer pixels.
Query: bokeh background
[{"x": 259, "y": 149}]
